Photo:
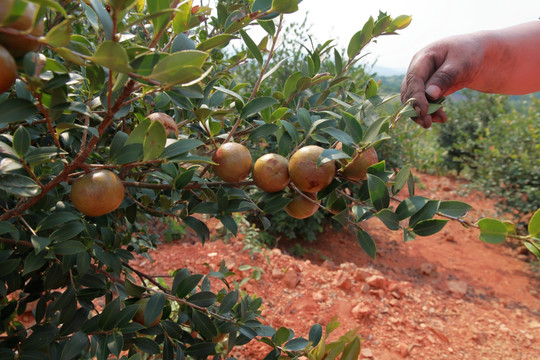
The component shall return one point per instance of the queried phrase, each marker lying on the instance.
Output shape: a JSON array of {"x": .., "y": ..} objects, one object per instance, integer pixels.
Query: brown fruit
[
  {"x": 5, "y": 9},
  {"x": 17, "y": 45},
  {"x": 168, "y": 122},
  {"x": 97, "y": 193},
  {"x": 304, "y": 172},
  {"x": 139, "y": 315},
  {"x": 301, "y": 208},
  {"x": 8, "y": 70},
  {"x": 233, "y": 162},
  {"x": 357, "y": 168},
  {"x": 271, "y": 173}
]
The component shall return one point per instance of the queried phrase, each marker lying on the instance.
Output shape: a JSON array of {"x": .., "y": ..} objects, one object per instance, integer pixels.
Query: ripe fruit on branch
[
  {"x": 139, "y": 315},
  {"x": 233, "y": 162},
  {"x": 17, "y": 45},
  {"x": 8, "y": 70},
  {"x": 97, "y": 193},
  {"x": 305, "y": 173},
  {"x": 357, "y": 168},
  {"x": 271, "y": 172},
  {"x": 301, "y": 208},
  {"x": 168, "y": 122}
]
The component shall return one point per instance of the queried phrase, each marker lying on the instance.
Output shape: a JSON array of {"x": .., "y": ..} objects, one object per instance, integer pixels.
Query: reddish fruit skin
[
  {"x": 8, "y": 70},
  {"x": 17, "y": 45},
  {"x": 233, "y": 162},
  {"x": 271, "y": 173},
  {"x": 304, "y": 172},
  {"x": 97, "y": 193},
  {"x": 357, "y": 168},
  {"x": 168, "y": 122},
  {"x": 301, "y": 208}
]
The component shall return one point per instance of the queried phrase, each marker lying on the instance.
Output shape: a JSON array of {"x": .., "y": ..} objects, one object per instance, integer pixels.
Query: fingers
[{"x": 425, "y": 121}]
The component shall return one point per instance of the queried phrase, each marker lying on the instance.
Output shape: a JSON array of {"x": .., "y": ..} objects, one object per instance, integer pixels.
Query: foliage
[{"x": 108, "y": 66}]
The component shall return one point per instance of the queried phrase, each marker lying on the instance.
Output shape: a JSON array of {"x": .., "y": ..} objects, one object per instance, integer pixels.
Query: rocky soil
[{"x": 446, "y": 296}]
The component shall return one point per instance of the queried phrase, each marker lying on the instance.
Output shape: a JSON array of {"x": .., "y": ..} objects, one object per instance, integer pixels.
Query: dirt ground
[{"x": 446, "y": 296}]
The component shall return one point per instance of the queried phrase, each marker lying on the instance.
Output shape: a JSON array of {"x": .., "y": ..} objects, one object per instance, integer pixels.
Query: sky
[{"x": 431, "y": 20}]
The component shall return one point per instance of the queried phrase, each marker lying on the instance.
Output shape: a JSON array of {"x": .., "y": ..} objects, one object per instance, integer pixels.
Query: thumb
[{"x": 442, "y": 82}]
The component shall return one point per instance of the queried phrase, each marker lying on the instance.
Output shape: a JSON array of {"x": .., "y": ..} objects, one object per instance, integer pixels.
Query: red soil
[{"x": 446, "y": 296}]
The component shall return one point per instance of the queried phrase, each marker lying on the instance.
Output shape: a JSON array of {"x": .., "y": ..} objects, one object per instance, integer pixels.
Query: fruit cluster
[
  {"x": 15, "y": 42},
  {"x": 273, "y": 173}
]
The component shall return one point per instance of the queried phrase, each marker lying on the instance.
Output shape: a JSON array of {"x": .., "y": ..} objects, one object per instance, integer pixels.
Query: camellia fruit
[
  {"x": 139, "y": 315},
  {"x": 305, "y": 173},
  {"x": 168, "y": 122},
  {"x": 301, "y": 208},
  {"x": 8, "y": 70},
  {"x": 17, "y": 45},
  {"x": 271, "y": 173},
  {"x": 233, "y": 162},
  {"x": 97, "y": 193},
  {"x": 357, "y": 168}
]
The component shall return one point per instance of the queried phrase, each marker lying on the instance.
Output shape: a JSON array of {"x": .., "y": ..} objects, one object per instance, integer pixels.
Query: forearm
[{"x": 511, "y": 63}]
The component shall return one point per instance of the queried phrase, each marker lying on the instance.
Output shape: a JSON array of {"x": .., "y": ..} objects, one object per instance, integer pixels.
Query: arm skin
[{"x": 505, "y": 61}]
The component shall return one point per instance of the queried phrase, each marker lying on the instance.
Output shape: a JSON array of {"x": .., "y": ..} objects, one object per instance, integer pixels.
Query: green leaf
[
  {"x": 400, "y": 22},
  {"x": 203, "y": 298},
  {"x": 218, "y": 40},
  {"x": 180, "y": 147},
  {"x": 353, "y": 127},
  {"x": 340, "y": 136},
  {"x": 284, "y": 6},
  {"x": 252, "y": 47},
  {"x": 378, "y": 192},
  {"x": 55, "y": 219},
  {"x": 154, "y": 308},
  {"x": 14, "y": 110},
  {"x": 229, "y": 301},
  {"x": 19, "y": 185},
  {"x": 114, "y": 342},
  {"x": 331, "y": 155},
  {"x": 187, "y": 285},
  {"x": 454, "y": 208},
  {"x": 21, "y": 141},
  {"x": 133, "y": 289},
  {"x": 33, "y": 262},
  {"x": 426, "y": 212},
  {"x": 138, "y": 133},
  {"x": 296, "y": 344},
  {"x": 108, "y": 317},
  {"x": 401, "y": 179},
  {"x": 315, "y": 334},
  {"x": 147, "y": 345},
  {"x": 104, "y": 17},
  {"x": 290, "y": 84},
  {"x": 351, "y": 350},
  {"x": 113, "y": 56},
  {"x": 76, "y": 345},
  {"x": 275, "y": 205},
  {"x": 8, "y": 228},
  {"x": 263, "y": 131},
  {"x": 203, "y": 324},
  {"x": 67, "y": 231},
  {"x": 256, "y": 105},
  {"x": 389, "y": 218},
  {"x": 534, "y": 224},
  {"x": 360, "y": 39},
  {"x": 429, "y": 227},
  {"x": 492, "y": 231},
  {"x": 70, "y": 247},
  {"x": 371, "y": 88},
  {"x": 180, "y": 67},
  {"x": 532, "y": 248},
  {"x": 154, "y": 141},
  {"x": 181, "y": 18},
  {"x": 281, "y": 335},
  {"x": 374, "y": 130},
  {"x": 229, "y": 223},
  {"x": 60, "y": 35},
  {"x": 158, "y": 22},
  {"x": 367, "y": 243}
]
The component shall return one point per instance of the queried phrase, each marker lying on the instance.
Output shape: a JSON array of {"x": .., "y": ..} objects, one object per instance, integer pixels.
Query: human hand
[{"x": 440, "y": 69}]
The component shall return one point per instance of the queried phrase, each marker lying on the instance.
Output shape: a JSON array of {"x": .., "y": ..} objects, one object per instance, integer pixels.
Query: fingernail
[{"x": 433, "y": 91}]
